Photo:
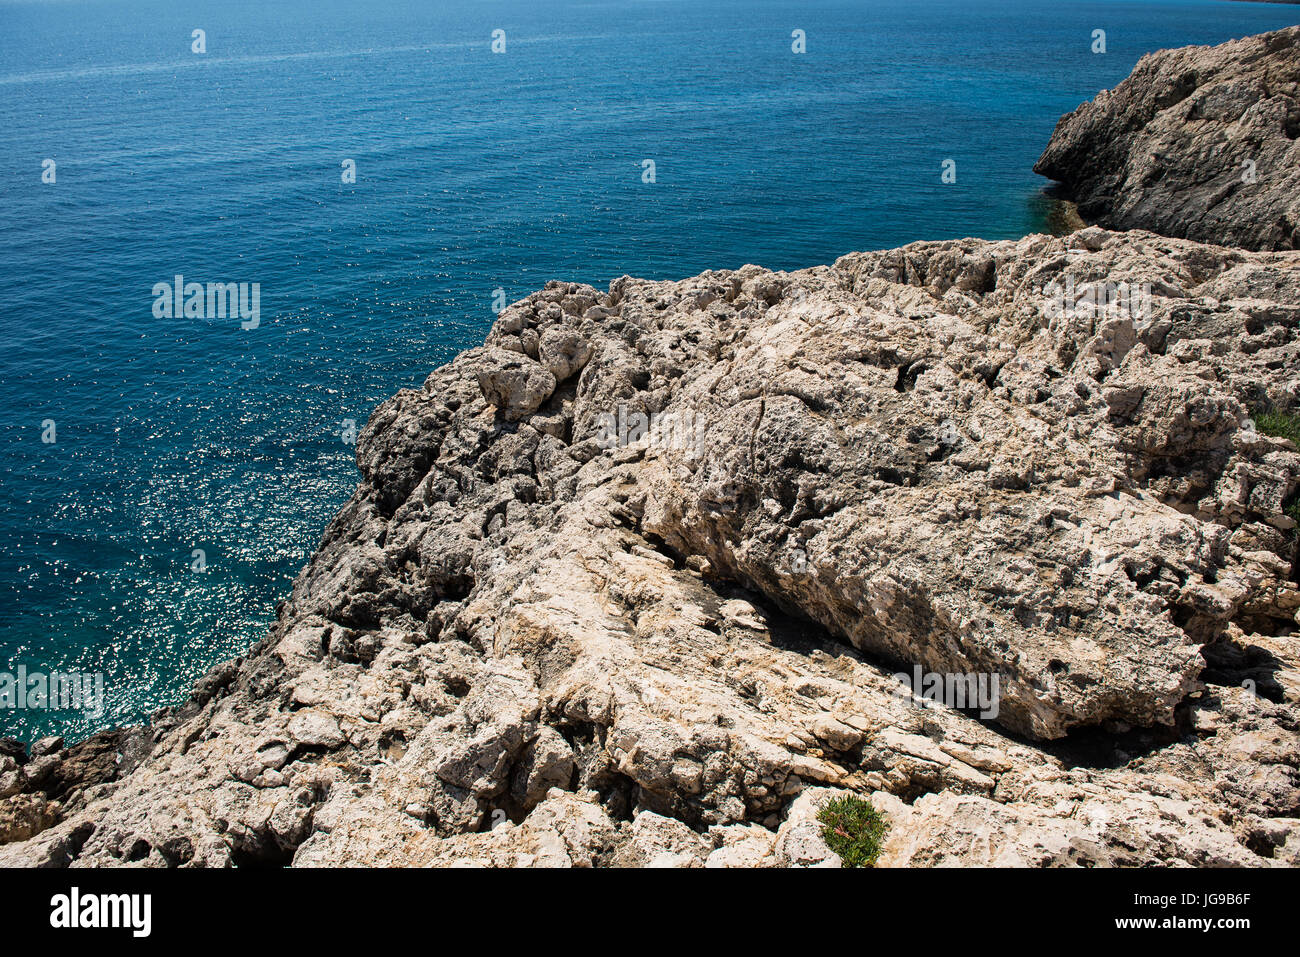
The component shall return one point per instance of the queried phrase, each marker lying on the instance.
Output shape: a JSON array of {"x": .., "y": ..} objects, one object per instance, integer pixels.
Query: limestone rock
[
  {"x": 799, "y": 841},
  {"x": 1199, "y": 142},
  {"x": 534, "y": 638}
]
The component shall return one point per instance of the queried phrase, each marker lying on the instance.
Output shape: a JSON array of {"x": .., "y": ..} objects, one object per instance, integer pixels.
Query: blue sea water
[{"x": 475, "y": 171}]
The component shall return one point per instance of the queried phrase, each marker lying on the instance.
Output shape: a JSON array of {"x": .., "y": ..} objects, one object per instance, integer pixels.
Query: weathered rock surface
[
  {"x": 536, "y": 636},
  {"x": 1199, "y": 142}
]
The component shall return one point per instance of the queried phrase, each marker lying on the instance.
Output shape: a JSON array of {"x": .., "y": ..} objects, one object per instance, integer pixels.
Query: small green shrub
[
  {"x": 1291, "y": 507},
  {"x": 853, "y": 829},
  {"x": 1280, "y": 425}
]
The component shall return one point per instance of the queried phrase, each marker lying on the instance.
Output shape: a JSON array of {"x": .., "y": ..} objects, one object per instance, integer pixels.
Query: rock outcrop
[
  {"x": 629, "y": 585},
  {"x": 1199, "y": 142}
]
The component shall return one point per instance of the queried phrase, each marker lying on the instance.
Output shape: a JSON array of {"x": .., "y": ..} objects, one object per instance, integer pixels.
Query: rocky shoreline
[
  {"x": 1198, "y": 143},
  {"x": 631, "y": 584}
]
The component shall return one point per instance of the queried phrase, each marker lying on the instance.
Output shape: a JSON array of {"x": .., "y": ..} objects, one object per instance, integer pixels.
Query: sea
[{"x": 379, "y": 176}]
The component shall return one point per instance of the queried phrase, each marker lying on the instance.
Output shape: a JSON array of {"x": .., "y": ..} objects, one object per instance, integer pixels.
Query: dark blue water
[{"x": 475, "y": 171}]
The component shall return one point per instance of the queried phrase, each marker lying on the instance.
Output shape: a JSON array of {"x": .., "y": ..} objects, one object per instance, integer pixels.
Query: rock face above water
[
  {"x": 535, "y": 636},
  {"x": 1199, "y": 142}
]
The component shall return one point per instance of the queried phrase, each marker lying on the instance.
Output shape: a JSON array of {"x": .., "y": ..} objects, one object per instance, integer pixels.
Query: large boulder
[{"x": 1199, "y": 142}]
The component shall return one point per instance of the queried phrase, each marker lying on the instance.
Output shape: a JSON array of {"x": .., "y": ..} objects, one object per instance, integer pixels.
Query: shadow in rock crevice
[{"x": 1091, "y": 747}]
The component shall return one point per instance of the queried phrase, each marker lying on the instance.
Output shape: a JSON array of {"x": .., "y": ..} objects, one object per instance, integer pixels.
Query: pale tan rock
[
  {"x": 1199, "y": 142},
  {"x": 657, "y": 841},
  {"x": 799, "y": 841},
  {"x": 517, "y": 647}
]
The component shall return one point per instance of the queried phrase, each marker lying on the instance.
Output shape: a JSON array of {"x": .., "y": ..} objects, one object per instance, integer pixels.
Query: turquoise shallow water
[{"x": 475, "y": 171}]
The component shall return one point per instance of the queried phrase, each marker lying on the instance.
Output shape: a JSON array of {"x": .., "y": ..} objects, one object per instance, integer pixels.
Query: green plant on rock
[
  {"x": 1280, "y": 425},
  {"x": 1291, "y": 507},
  {"x": 853, "y": 829}
]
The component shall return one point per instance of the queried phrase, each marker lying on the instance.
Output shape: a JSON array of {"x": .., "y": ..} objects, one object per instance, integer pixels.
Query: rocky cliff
[
  {"x": 630, "y": 583},
  {"x": 1199, "y": 142}
]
